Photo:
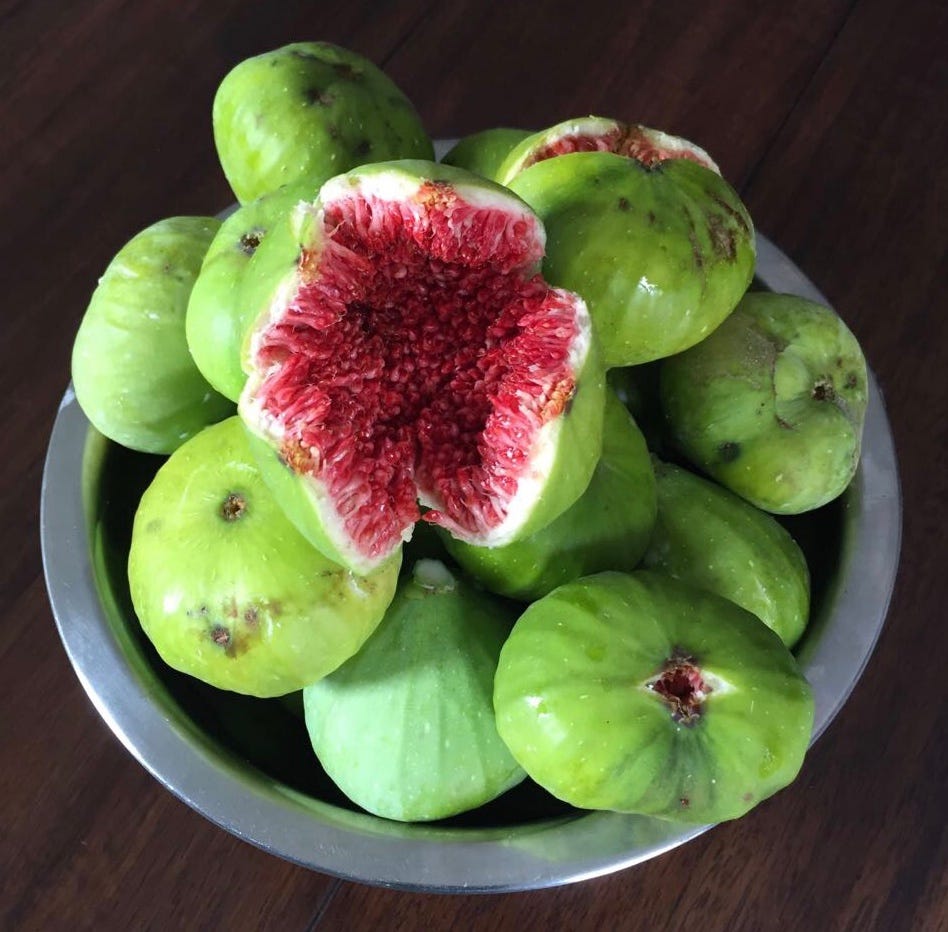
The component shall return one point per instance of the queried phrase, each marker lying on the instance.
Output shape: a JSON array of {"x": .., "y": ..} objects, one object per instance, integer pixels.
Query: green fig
[
  {"x": 712, "y": 539},
  {"x": 648, "y": 232},
  {"x": 772, "y": 404},
  {"x": 217, "y": 315},
  {"x": 406, "y": 727},
  {"x": 302, "y": 113},
  {"x": 133, "y": 375},
  {"x": 228, "y": 590},
  {"x": 639, "y": 693},
  {"x": 483, "y": 152}
]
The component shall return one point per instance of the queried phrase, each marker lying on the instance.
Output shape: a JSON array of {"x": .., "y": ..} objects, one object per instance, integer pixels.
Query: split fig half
[
  {"x": 228, "y": 590},
  {"x": 407, "y": 350},
  {"x": 639, "y": 693},
  {"x": 643, "y": 226},
  {"x": 599, "y": 134}
]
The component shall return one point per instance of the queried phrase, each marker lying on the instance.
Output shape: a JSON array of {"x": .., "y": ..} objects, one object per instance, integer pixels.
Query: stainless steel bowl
[{"x": 246, "y": 765}]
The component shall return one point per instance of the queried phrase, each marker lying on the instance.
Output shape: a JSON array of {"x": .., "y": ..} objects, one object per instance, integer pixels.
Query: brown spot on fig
[
  {"x": 317, "y": 97},
  {"x": 652, "y": 218},
  {"x": 295, "y": 457},
  {"x": 333, "y": 131},
  {"x": 785, "y": 425},
  {"x": 347, "y": 72},
  {"x": 747, "y": 797},
  {"x": 695, "y": 249},
  {"x": 221, "y": 636},
  {"x": 234, "y": 506},
  {"x": 734, "y": 214},
  {"x": 251, "y": 616},
  {"x": 823, "y": 390},
  {"x": 684, "y": 802},
  {"x": 249, "y": 242},
  {"x": 559, "y": 400},
  {"x": 851, "y": 380},
  {"x": 363, "y": 148},
  {"x": 624, "y": 204},
  {"x": 729, "y": 451},
  {"x": 723, "y": 240},
  {"x": 153, "y": 526}
]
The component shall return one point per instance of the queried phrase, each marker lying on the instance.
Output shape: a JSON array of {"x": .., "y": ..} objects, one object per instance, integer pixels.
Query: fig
[
  {"x": 599, "y": 134},
  {"x": 483, "y": 152},
  {"x": 608, "y": 528},
  {"x": 772, "y": 404},
  {"x": 406, "y": 727},
  {"x": 658, "y": 244},
  {"x": 228, "y": 590},
  {"x": 133, "y": 375},
  {"x": 711, "y": 538},
  {"x": 639, "y": 693},
  {"x": 302, "y": 113},
  {"x": 216, "y": 319},
  {"x": 407, "y": 350}
]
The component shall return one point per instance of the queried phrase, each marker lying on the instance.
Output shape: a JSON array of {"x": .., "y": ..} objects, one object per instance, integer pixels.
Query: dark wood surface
[{"x": 830, "y": 116}]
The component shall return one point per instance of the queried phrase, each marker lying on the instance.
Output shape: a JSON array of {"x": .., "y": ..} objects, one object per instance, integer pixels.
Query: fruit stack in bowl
[{"x": 482, "y": 456}]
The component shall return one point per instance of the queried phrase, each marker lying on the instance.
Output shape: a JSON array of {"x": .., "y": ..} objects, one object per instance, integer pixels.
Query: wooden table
[{"x": 829, "y": 116}]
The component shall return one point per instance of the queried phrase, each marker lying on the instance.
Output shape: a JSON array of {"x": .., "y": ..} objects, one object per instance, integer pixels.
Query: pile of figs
[{"x": 482, "y": 456}]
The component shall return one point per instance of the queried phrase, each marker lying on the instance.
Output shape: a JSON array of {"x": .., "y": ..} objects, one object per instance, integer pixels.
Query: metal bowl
[{"x": 246, "y": 764}]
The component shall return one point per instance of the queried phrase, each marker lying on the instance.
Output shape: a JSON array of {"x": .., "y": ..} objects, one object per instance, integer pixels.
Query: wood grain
[{"x": 830, "y": 117}]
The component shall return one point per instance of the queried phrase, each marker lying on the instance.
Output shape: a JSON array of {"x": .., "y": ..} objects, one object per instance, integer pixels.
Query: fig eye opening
[{"x": 682, "y": 686}]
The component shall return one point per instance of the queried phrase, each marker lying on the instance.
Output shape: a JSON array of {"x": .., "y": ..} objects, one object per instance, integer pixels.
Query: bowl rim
[{"x": 367, "y": 849}]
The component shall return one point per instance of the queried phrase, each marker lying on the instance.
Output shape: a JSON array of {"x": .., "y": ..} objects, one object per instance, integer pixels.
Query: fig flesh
[{"x": 407, "y": 349}]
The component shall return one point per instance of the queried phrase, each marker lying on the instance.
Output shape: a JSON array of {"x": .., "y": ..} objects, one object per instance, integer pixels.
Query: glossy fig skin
[
  {"x": 608, "y": 528},
  {"x": 228, "y": 590},
  {"x": 133, "y": 375},
  {"x": 578, "y": 704},
  {"x": 772, "y": 404},
  {"x": 711, "y": 538},
  {"x": 661, "y": 254},
  {"x": 217, "y": 315},
  {"x": 305, "y": 112},
  {"x": 406, "y": 727}
]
